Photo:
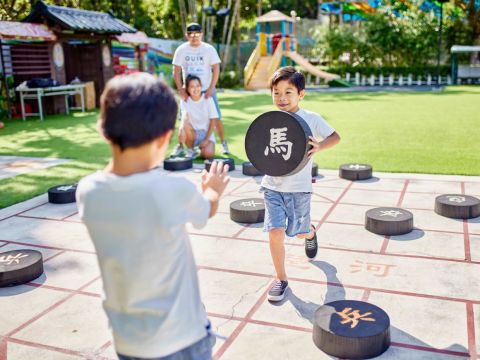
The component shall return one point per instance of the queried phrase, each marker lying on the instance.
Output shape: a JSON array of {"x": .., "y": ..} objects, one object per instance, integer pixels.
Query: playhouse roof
[
  {"x": 138, "y": 38},
  {"x": 274, "y": 16},
  {"x": 22, "y": 31},
  {"x": 78, "y": 19}
]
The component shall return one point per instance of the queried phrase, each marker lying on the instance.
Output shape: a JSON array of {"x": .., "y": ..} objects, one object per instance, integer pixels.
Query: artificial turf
[{"x": 420, "y": 132}]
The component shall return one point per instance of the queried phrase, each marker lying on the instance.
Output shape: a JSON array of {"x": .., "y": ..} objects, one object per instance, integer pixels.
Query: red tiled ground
[{"x": 428, "y": 281}]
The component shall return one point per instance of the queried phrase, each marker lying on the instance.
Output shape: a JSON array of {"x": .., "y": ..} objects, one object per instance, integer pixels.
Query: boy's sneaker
[
  {"x": 277, "y": 291},
  {"x": 225, "y": 149},
  {"x": 311, "y": 245},
  {"x": 191, "y": 153},
  {"x": 177, "y": 150}
]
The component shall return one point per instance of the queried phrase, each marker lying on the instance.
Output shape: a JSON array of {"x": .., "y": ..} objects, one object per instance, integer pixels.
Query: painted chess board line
[
  {"x": 50, "y": 308},
  {"x": 349, "y": 286},
  {"x": 386, "y": 239},
  {"x": 425, "y": 257},
  {"x": 23, "y": 211}
]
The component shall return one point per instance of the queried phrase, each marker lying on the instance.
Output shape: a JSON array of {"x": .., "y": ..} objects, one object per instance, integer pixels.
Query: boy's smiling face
[{"x": 286, "y": 96}]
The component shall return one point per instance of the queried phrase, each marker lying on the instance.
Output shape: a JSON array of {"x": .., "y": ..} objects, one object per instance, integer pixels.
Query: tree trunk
[
  {"x": 239, "y": 53},
  {"x": 229, "y": 36}
]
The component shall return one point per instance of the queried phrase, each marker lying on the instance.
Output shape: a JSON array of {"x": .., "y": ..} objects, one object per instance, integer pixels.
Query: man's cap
[{"x": 194, "y": 27}]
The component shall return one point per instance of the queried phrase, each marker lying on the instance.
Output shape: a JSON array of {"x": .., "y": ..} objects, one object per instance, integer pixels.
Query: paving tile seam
[
  {"x": 21, "y": 212},
  {"x": 57, "y": 349},
  {"x": 62, "y": 289},
  {"x": 242, "y": 183},
  {"x": 466, "y": 241},
  {"x": 414, "y": 228},
  {"x": 48, "y": 247},
  {"x": 49, "y": 309},
  {"x": 259, "y": 288},
  {"x": 466, "y": 237},
  {"x": 333, "y": 206},
  {"x": 96, "y": 355},
  {"x": 349, "y": 286},
  {"x": 472, "y": 346},
  {"x": 102, "y": 348},
  {"x": 323, "y": 197},
  {"x": 239, "y": 232},
  {"x": 54, "y": 256},
  {"x": 309, "y": 330},
  {"x": 233, "y": 336},
  {"x": 365, "y": 295},
  {"x": 424, "y": 348},
  {"x": 368, "y": 252},
  {"x": 386, "y": 239},
  {"x": 66, "y": 217},
  {"x": 41, "y": 218},
  {"x": 3, "y": 348}
]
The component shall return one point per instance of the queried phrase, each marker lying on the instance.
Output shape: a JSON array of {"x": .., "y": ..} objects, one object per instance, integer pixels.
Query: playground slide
[{"x": 300, "y": 60}]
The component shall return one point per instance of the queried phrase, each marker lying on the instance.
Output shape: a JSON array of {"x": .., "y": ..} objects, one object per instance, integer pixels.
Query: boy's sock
[
  {"x": 277, "y": 291},
  {"x": 311, "y": 245}
]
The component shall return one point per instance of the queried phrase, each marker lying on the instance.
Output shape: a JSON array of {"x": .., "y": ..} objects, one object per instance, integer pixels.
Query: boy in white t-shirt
[
  {"x": 136, "y": 217},
  {"x": 198, "y": 120},
  {"x": 287, "y": 198}
]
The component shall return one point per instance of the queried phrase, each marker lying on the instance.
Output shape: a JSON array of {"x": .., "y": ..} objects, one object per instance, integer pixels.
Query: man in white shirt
[{"x": 196, "y": 57}]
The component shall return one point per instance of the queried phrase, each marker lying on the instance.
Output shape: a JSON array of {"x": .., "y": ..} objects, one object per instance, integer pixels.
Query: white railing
[{"x": 358, "y": 79}]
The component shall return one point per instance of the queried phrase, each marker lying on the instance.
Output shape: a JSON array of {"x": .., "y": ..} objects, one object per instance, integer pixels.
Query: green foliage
[
  {"x": 399, "y": 34},
  {"x": 229, "y": 79},
  {"x": 385, "y": 39}
]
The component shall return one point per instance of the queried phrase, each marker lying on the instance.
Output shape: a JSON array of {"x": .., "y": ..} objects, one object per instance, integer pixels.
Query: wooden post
[{"x": 59, "y": 73}]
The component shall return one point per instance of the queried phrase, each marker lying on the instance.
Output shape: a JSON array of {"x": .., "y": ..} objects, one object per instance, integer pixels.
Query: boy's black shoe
[
  {"x": 277, "y": 291},
  {"x": 311, "y": 245}
]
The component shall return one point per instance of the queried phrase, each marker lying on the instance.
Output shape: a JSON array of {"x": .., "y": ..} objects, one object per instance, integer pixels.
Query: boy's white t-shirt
[
  {"x": 301, "y": 181},
  {"x": 196, "y": 61},
  {"x": 137, "y": 224}
]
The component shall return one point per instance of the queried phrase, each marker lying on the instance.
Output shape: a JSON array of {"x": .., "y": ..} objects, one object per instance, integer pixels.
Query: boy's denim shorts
[
  {"x": 199, "y": 137},
  {"x": 290, "y": 211},
  {"x": 201, "y": 350}
]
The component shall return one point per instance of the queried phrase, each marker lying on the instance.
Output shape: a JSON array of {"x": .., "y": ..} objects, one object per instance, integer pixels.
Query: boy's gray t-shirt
[
  {"x": 137, "y": 224},
  {"x": 301, "y": 181}
]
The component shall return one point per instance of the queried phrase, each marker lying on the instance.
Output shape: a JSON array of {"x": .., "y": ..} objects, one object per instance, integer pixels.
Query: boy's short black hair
[
  {"x": 136, "y": 109},
  {"x": 289, "y": 74},
  {"x": 189, "y": 78}
]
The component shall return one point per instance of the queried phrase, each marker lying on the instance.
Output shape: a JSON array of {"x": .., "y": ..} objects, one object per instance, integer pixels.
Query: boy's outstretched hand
[{"x": 214, "y": 183}]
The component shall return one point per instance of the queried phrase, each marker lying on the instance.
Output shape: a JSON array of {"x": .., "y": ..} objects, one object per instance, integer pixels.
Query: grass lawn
[{"x": 420, "y": 132}]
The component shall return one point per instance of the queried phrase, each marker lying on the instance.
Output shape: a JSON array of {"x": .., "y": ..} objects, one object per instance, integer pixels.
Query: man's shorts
[{"x": 290, "y": 211}]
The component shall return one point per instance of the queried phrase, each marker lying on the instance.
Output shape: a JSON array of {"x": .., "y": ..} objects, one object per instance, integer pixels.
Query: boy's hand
[
  {"x": 216, "y": 179},
  {"x": 203, "y": 143},
  {"x": 315, "y": 146}
]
